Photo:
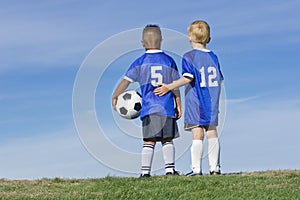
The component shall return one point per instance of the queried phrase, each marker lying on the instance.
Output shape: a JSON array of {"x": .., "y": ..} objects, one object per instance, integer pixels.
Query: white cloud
[
  {"x": 257, "y": 18},
  {"x": 261, "y": 134},
  {"x": 240, "y": 100},
  {"x": 258, "y": 135},
  {"x": 32, "y": 35},
  {"x": 51, "y": 34},
  {"x": 58, "y": 154}
]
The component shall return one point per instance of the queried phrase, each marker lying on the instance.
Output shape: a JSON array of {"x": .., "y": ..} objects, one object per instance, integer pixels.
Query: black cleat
[
  {"x": 145, "y": 175},
  {"x": 215, "y": 172},
  {"x": 174, "y": 173},
  {"x": 194, "y": 174}
]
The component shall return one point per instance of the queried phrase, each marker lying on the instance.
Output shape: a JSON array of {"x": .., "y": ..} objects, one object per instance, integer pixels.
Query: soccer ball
[{"x": 129, "y": 104}]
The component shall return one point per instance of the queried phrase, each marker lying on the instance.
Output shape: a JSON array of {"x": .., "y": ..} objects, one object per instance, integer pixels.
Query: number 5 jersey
[{"x": 151, "y": 69}]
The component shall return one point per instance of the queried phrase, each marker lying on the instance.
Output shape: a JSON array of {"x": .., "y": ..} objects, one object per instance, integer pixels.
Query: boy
[
  {"x": 158, "y": 114},
  {"x": 201, "y": 69}
]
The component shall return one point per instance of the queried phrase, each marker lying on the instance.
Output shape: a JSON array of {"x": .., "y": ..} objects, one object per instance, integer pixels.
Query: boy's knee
[
  {"x": 166, "y": 140},
  {"x": 198, "y": 133},
  {"x": 150, "y": 141},
  {"x": 211, "y": 132}
]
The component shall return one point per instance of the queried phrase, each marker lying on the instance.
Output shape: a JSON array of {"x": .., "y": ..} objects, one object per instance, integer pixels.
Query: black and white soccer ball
[{"x": 129, "y": 104}]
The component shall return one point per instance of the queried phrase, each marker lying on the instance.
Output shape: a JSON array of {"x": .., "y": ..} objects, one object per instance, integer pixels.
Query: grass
[{"x": 256, "y": 185}]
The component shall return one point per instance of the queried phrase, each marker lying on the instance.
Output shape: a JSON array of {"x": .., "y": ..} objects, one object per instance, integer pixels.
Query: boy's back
[
  {"x": 158, "y": 113},
  {"x": 201, "y": 71},
  {"x": 202, "y": 94},
  {"x": 149, "y": 70}
]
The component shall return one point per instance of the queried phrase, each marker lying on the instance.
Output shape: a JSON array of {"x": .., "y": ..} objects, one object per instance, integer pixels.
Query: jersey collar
[
  {"x": 204, "y": 50},
  {"x": 154, "y": 51}
]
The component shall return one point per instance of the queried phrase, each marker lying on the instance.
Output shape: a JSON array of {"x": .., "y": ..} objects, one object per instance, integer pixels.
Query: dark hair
[
  {"x": 152, "y": 36},
  {"x": 152, "y": 26}
]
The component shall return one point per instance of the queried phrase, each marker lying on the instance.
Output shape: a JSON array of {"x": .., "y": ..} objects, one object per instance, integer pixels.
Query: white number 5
[{"x": 156, "y": 77}]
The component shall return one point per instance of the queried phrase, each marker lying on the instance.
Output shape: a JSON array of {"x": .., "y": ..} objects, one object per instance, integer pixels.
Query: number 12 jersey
[{"x": 202, "y": 94}]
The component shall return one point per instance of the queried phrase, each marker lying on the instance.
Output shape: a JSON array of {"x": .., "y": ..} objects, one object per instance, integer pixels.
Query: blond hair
[
  {"x": 152, "y": 37},
  {"x": 199, "y": 32}
]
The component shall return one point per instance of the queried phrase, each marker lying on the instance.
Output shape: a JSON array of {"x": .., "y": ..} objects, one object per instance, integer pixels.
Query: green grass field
[{"x": 256, "y": 185}]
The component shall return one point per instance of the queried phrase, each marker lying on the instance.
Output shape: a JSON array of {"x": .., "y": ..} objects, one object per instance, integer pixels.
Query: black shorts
[{"x": 158, "y": 128}]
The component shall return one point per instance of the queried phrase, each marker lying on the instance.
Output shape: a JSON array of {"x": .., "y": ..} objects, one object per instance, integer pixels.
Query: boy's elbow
[{"x": 187, "y": 80}]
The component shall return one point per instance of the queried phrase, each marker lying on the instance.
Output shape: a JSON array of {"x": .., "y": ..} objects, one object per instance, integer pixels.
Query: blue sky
[{"x": 44, "y": 44}]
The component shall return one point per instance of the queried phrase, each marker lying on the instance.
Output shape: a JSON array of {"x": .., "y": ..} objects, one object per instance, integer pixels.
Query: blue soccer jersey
[
  {"x": 149, "y": 70},
  {"x": 202, "y": 94}
]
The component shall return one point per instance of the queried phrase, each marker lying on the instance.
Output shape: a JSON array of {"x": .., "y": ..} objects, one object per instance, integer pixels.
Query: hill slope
[{"x": 256, "y": 185}]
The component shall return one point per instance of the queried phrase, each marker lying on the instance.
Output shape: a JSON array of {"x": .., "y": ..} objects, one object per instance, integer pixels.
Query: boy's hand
[
  {"x": 119, "y": 90},
  {"x": 161, "y": 90},
  {"x": 178, "y": 112},
  {"x": 114, "y": 103}
]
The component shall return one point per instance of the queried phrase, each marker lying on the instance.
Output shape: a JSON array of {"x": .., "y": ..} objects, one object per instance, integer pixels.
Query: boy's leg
[
  {"x": 168, "y": 133},
  {"x": 213, "y": 150},
  {"x": 197, "y": 149},
  {"x": 147, "y": 157},
  {"x": 169, "y": 156},
  {"x": 149, "y": 145}
]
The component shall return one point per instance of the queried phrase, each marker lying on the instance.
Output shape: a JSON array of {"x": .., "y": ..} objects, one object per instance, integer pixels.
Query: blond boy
[{"x": 202, "y": 76}]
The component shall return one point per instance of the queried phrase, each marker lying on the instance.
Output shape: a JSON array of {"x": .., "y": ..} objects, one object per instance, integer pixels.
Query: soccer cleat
[
  {"x": 215, "y": 172},
  {"x": 174, "y": 173},
  {"x": 194, "y": 174},
  {"x": 145, "y": 175}
]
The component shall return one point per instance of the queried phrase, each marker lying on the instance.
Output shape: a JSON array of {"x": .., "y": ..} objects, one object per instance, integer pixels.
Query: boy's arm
[
  {"x": 165, "y": 88},
  {"x": 119, "y": 90},
  {"x": 178, "y": 103}
]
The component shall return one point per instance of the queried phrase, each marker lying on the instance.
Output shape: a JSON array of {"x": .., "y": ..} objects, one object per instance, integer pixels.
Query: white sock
[
  {"x": 147, "y": 157},
  {"x": 169, "y": 156},
  {"x": 196, "y": 155},
  {"x": 214, "y": 154}
]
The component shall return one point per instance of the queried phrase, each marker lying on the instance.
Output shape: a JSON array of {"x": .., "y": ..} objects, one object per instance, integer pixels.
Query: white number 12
[{"x": 212, "y": 75}]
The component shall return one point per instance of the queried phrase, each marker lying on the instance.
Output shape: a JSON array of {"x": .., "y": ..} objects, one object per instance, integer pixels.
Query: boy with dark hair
[{"x": 158, "y": 113}]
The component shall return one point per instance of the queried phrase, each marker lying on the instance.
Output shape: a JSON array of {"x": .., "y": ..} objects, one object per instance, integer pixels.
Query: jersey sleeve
[
  {"x": 187, "y": 68},
  {"x": 175, "y": 73},
  {"x": 222, "y": 77},
  {"x": 132, "y": 74}
]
